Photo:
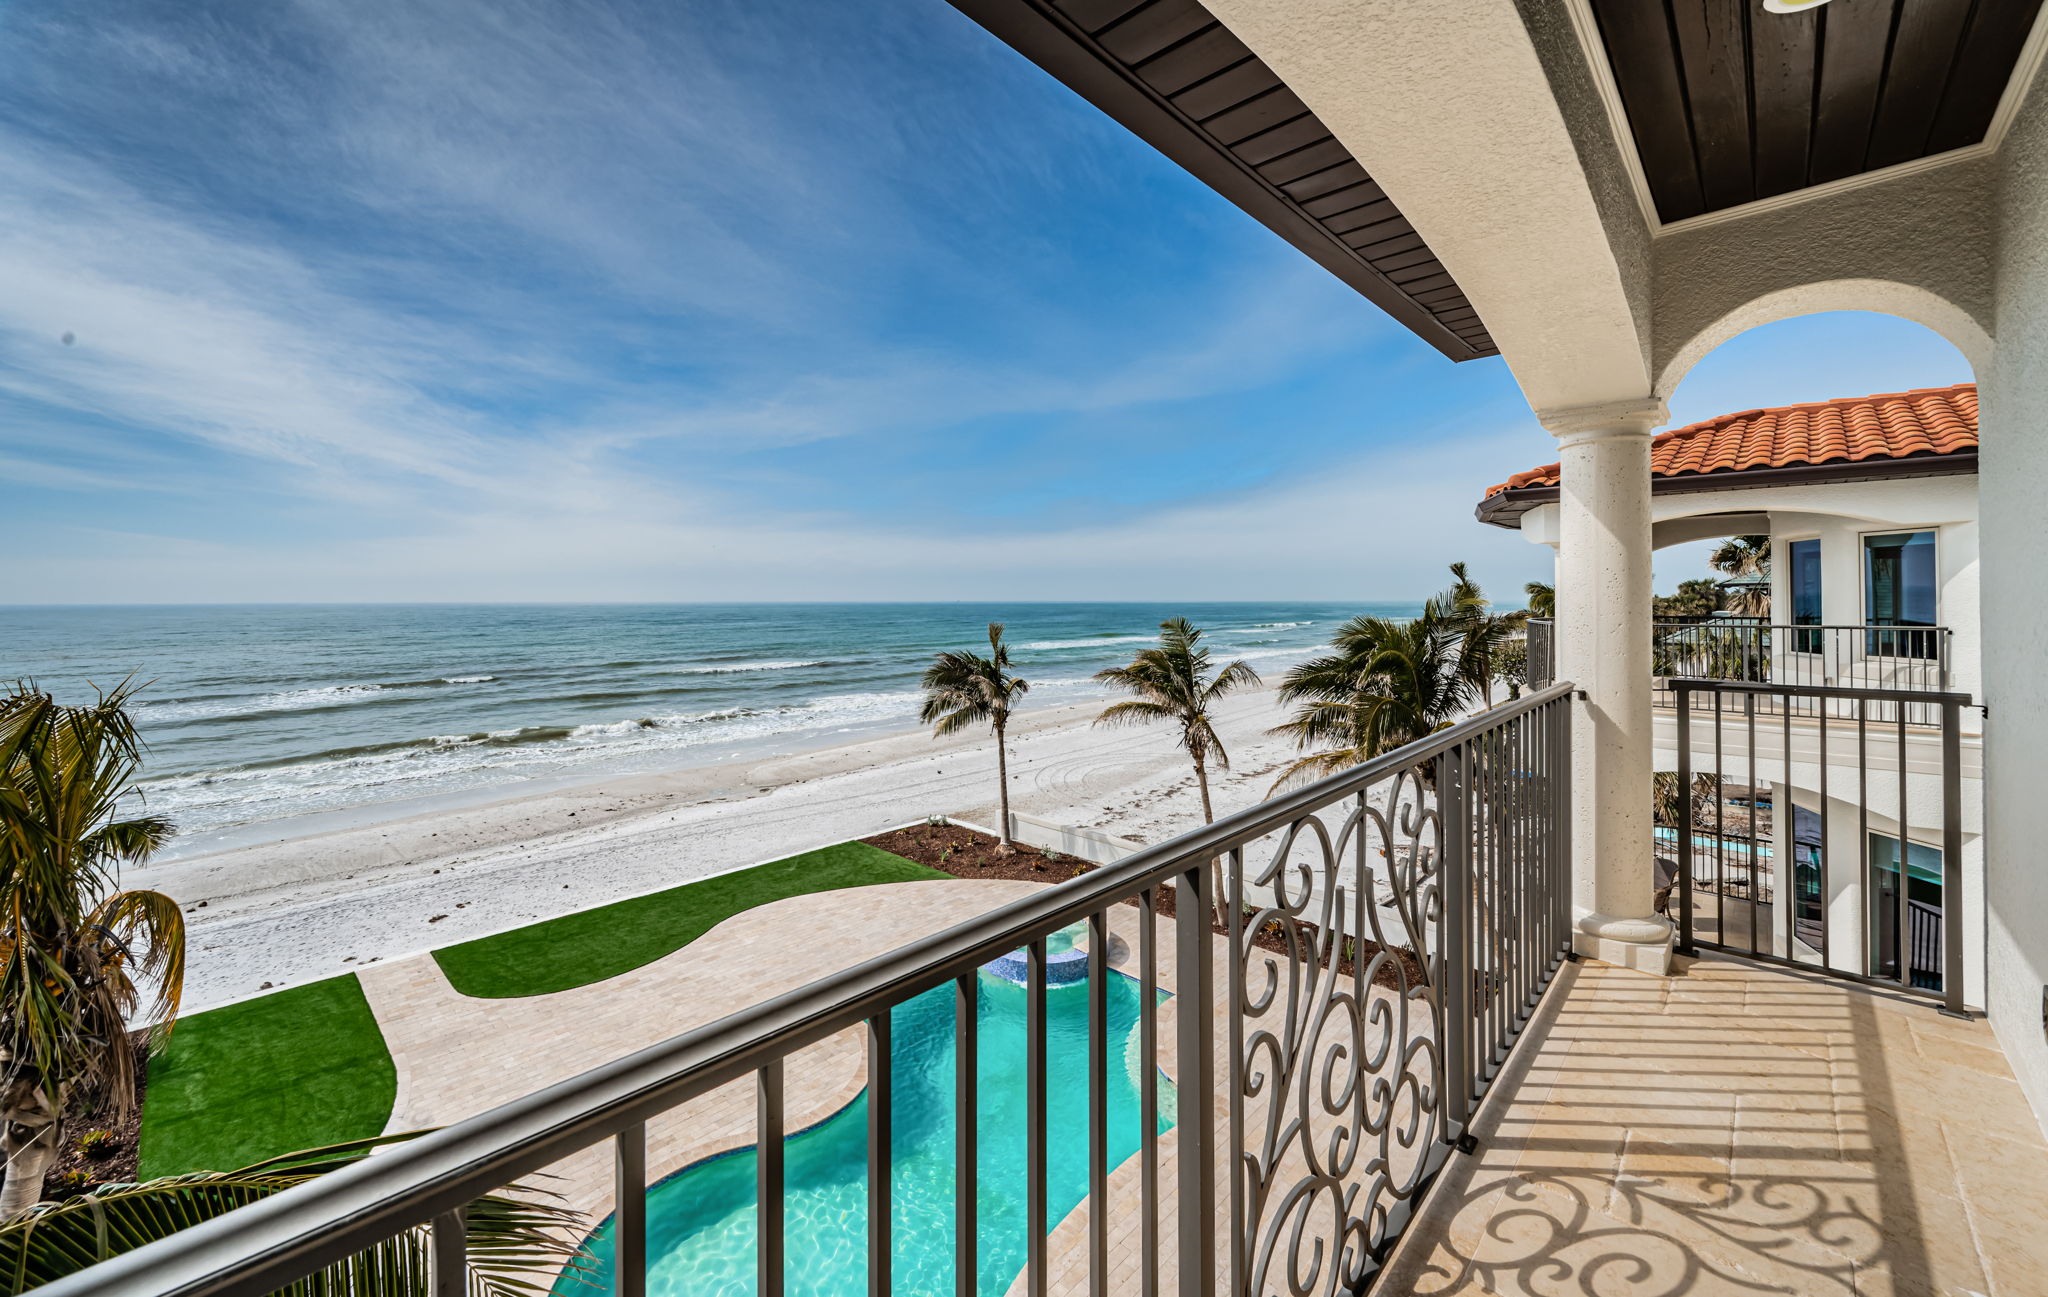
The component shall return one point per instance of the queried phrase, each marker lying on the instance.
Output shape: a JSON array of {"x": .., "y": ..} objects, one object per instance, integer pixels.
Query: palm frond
[
  {"x": 1135, "y": 712},
  {"x": 1172, "y": 682},
  {"x": 1387, "y": 683},
  {"x": 149, "y": 929},
  {"x": 74, "y": 949},
  {"x": 516, "y": 1240}
]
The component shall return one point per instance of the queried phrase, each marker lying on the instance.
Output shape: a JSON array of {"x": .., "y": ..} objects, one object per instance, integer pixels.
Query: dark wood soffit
[
  {"x": 1505, "y": 508},
  {"x": 1729, "y": 104},
  {"x": 1177, "y": 79}
]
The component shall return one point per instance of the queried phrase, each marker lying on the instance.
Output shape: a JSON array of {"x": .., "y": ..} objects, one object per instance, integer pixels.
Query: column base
[{"x": 1641, "y": 944}]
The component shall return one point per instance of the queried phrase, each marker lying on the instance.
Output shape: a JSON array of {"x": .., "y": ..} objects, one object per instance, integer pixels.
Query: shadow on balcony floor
[{"x": 1734, "y": 1129}]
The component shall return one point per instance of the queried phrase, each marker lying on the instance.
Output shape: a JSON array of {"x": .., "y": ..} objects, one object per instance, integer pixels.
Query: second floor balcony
[
  {"x": 1340, "y": 1041},
  {"x": 1742, "y": 650}
]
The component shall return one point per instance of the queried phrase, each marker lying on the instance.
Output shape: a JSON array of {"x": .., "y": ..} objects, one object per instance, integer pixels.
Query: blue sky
[{"x": 484, "y": 299}]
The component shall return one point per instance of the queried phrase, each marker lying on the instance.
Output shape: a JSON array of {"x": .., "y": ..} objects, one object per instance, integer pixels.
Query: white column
[{"x": 1603, "y": 625}]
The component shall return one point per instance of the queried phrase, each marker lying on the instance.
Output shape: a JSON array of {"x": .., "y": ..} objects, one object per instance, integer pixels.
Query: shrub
[{"x": 98, "y": 1144}]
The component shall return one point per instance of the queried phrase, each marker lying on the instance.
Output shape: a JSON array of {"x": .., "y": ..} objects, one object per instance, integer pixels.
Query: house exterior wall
[
  {"x": 2015, "y": 606},
  {"x": 1917, "y": 246},
  {"x": 1840, "y": 514}
]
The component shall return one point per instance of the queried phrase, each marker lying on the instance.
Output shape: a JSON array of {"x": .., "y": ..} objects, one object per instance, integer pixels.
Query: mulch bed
[
  {"x": 965, "y": 853},
  {"x": 117, "y": 1165},
  {"x": 968, "y": 853}
]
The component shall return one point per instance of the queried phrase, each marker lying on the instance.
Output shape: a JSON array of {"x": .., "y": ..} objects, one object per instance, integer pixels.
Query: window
[
  {"x": 1898, "y": 591},
  {"x": 1804, "y": 571},
  {"x": 1923, "y": 911},
  {"x": 1809, "y": 905}
]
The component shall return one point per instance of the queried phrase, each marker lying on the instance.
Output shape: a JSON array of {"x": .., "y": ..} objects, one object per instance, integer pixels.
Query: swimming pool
[{"x": 700, "y": 1221}]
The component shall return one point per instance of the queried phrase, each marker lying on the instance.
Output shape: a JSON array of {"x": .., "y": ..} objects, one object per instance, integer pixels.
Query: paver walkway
[
  {"x": 458, "y": 1056},
  {"x": 1735, "y": 1129}
]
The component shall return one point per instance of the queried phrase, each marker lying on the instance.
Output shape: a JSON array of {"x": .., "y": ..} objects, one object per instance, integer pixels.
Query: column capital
[{"x": 1577, "y": 424}]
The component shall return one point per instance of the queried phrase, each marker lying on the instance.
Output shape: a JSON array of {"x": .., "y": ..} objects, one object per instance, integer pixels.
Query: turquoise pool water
[{"x": 700, "y": 1221}]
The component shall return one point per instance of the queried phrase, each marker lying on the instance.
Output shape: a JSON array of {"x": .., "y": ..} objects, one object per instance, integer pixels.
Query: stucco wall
[
  {"x": 1918, "y": 246},
  {"x": 2014, "y": 420},
  {"x": 1553, "y": 35},
  {"x": 1839, "y": 514}
]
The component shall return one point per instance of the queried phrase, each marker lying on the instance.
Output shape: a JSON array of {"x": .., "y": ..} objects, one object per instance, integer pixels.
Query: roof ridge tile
[{"x": 1887, "y": 425}]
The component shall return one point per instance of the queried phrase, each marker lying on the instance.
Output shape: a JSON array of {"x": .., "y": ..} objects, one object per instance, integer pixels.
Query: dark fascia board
[
  {"x": 1505, "y": 508},
  {"x": 1054, "y": 43}
]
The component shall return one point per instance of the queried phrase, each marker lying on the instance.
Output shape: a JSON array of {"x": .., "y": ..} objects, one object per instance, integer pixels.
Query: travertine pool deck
[
  {"x": 1735, "y": 1129},
  {"x": 457, "y": 1056}
]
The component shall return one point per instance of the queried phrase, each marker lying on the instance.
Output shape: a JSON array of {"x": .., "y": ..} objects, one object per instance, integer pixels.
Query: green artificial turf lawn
[
  {"x": 591, "y": 945},
  {"x": 298, "y": 1069}
]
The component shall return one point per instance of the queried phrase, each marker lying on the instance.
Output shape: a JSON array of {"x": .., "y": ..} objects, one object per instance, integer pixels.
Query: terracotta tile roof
[{"x": 1850, "y": 429}]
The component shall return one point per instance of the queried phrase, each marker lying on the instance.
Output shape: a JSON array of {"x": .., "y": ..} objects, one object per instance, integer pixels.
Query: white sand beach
[{"x": 287, "y": 912}]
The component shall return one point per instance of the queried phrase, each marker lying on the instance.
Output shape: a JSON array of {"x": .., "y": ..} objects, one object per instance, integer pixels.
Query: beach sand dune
[{"x": 292, "y": 911}]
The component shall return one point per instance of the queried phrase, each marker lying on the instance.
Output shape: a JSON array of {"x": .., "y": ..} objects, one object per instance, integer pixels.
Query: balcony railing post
[
  {"x": 1951, "y": 858},
  {"x": 768, "y": 1185},
  {"x": 1567, "y": 717},
  {"x": 629, "y": 1212},
  {"x": 1682, "y": 880},
  {"x": 450, "y": 1253},
  {"x": 1454, "y": 886},
  {"x": 1195, "y": 1019}
]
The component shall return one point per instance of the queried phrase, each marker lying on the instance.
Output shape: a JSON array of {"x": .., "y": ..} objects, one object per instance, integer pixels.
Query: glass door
[
  {"x": 1922, "y": 945},
  {"x": 1899, "y": 591},
  {"x": 1809, "y": 906},
  {"x": 1804, "y": 572}
]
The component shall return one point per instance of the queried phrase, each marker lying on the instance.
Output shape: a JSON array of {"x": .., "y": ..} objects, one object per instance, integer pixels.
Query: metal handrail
[
  {"x": 1714, "y": 758},
  {"x": 1929, "y": 696},
  {"x": 269, "y": 1244},
  {"x": 1760, "y": 623}
]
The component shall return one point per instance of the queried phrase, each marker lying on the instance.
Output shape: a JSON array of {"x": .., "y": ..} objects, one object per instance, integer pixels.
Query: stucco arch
[{"x": 1887, "y": 297}]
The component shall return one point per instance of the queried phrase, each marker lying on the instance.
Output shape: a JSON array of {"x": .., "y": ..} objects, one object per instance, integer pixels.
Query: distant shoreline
[
  {"x": 272, "y": 723},
  {"x": 314, "y": 905}
]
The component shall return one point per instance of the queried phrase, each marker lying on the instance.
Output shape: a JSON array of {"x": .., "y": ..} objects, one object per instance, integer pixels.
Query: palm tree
[
  {"x": 1669, "y": 809},
  {"x": 1747, "y": 559},
  {"x": 1542, "y": 598},
  {"x": 75, "y": 950},
  {"x": 1698, "y": 598},
  {"x": 512, "y": 1241},
  {"x": 1386, "y": 683},
  {"x": 965, "y": 688},
  {"x": 1486, "y": 633},
  {"x": 1173, "y": 682}
]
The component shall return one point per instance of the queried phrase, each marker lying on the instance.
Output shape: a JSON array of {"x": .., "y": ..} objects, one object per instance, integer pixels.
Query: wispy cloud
[
  {"x": 1353, "y": 529},
  {"x": 519, "y": 299}
]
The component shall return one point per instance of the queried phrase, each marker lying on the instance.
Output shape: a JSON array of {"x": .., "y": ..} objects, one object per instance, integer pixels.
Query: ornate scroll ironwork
[{"x": 1342, "y": 1002}]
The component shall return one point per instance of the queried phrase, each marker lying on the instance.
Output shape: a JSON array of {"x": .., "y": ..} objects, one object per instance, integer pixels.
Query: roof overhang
[
  {"x": 1724, "y": 111},
  {"x": 1505, "y": 508},
  {"x": 1174, "y": 76}
]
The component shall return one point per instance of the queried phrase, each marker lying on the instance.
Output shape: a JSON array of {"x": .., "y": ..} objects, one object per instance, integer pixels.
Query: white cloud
[
  {"x": 465, "y": 331},
  {"x": 1382, "y": 526}
]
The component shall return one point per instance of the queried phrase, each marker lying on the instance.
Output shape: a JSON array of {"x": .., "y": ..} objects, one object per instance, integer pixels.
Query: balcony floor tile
[{"x": 1734, "y": 1128}]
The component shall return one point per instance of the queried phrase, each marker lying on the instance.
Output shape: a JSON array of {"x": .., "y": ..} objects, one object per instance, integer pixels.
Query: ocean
[{"x": 257, "y": 714}]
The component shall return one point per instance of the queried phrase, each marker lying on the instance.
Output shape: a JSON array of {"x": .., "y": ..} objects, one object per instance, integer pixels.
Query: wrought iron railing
[
  {"x": 1386, "y": 934},
  {"x": 1540, "y": 641},
  {"x": 1908, "y": 658},
  {"x": 1823, "y": 826}
]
